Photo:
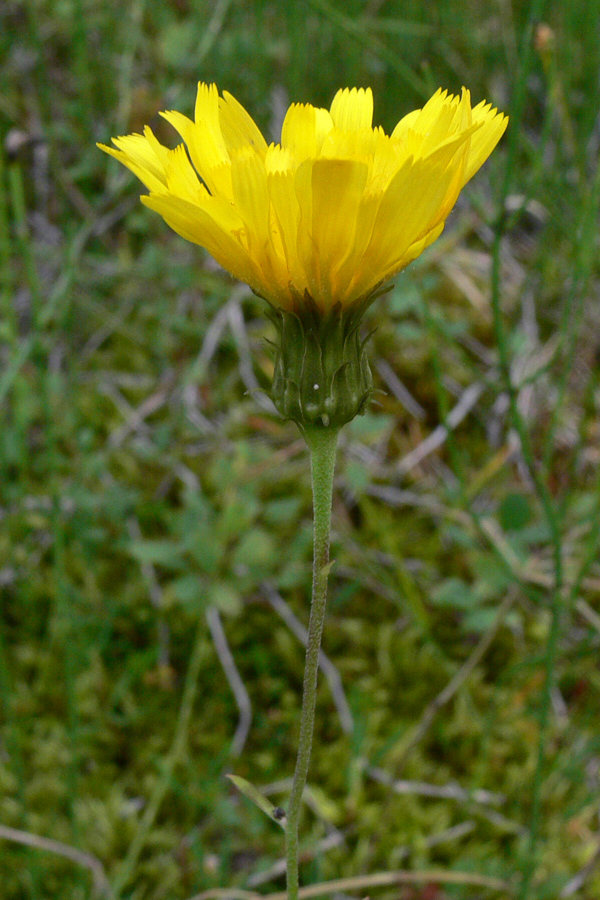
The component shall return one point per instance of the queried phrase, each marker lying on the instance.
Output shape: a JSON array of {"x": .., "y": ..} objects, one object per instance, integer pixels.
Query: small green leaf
[
  {"x": 255, "y": 553},
  {"x": 204, "y": 547},
  {"x": 480, "y": 620},
  {"x": 248, "y": 790},
  {"x": 514, "y": 512},
  {"x": 162, "y": 553},
  {"x": 225, "y": 597},
  {"x": 454, "y": 592},
  {"x": 190, "y": 591},
  {"x": 237, "y": 516},
  {"x": 282, "y": 510}
]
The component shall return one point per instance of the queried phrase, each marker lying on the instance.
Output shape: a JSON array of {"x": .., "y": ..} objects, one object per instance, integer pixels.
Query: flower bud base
[{"x": 322, "y": 375}]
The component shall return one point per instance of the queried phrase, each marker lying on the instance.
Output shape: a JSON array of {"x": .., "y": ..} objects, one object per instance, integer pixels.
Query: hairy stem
[{"x": 322, "y": 444}]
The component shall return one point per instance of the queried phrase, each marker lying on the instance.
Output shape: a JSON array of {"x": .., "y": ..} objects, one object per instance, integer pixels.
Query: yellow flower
[{"x": 334, "y": 210}]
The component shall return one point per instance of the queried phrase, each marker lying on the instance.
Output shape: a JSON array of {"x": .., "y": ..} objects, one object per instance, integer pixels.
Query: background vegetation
[{"x": 155, "y": 515}]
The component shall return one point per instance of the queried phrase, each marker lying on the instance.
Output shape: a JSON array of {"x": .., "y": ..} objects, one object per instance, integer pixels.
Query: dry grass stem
[
  {"x": 101, "y": 884},
  {"x": 233, "y": 677}
]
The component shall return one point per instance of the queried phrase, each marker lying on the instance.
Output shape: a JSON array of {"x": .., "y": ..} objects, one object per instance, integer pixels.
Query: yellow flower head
[{"x": 334, "y": 210}]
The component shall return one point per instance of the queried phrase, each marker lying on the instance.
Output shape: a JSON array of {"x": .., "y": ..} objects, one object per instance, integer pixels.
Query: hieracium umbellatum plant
[{"x": 316, "y": 225}]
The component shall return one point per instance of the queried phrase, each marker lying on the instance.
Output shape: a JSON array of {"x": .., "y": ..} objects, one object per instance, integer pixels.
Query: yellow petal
[
  {"x": 493, "y": 125},
  {"x": 161, "y": 153},
  {"x": 388, "y": 157},
  {"x": 197, "y": 225},
  {"x": 348, "y": 274},
  {"x": 453, "y": 154},
  {"x": 329, "y": 194},
  {"x": 352, "y": 110},
  {"x": 437, "y": 116},
  {"x": 408, "y": 207},
  {"x": 337, "y": 190},
  {"x": 238, "y": 127},
  {"x": 405, "y": 125},
  {"x": 251, "y": 198},
  {"x": 140, "y": 156},
  {"x": 323, "y": 125},
  {"x": 349, "y": 144},
  {"x": 414, "y": 250},
  {"x": 424, "y": 129},
  {"x": 304, "y": 130},
  {"x": 182, "y": 180},
  {"x": 206, "y": 115},
  {"x": 464, "y": 113},
  {"x": 277, "y": 159},
  {"x": 208, "y": 160},
  {"x": 204, "y": 139},
  {"x": 305, "y": 247},
  {"x": 286, "y": 211},
  {"x": 252, "y": 202}
]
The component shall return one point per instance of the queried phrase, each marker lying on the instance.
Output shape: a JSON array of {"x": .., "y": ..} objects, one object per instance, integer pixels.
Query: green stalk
[{"x": 322, "y": 445}]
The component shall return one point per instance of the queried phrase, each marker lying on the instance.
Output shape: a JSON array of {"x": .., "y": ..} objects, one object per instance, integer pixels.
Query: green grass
[{"x": 142, "y": 481}]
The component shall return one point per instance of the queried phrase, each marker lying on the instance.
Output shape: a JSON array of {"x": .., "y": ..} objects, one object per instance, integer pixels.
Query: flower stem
[{"x": 322, "y": 445}]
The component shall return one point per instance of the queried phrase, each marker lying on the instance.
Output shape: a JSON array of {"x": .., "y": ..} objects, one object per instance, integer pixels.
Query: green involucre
[{"x": 322, "y": 374}]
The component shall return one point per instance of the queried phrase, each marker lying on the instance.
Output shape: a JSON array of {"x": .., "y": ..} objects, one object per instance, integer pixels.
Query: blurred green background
[{"x": 155, "y": 516}]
